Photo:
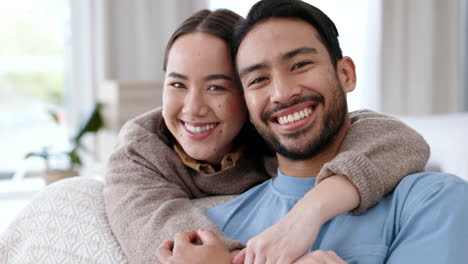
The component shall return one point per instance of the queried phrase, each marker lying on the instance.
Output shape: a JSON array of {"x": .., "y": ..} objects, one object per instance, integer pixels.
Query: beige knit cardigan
[{"x": 148, "y": 190}]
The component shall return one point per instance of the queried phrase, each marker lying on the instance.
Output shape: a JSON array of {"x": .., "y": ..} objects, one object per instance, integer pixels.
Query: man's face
[{"x": 295, "y": 97}]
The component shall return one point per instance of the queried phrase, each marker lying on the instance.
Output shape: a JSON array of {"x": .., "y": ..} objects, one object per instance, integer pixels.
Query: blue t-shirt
[{"x": 425, "y": 220}]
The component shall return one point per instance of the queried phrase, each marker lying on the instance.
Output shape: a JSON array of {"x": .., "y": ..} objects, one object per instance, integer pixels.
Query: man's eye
[
  {"x": 258, "y": 80},
  {"x": 177, "y": 85},
  {"x": 300, "y": 65},
  {"x": 216, "y": 88}
]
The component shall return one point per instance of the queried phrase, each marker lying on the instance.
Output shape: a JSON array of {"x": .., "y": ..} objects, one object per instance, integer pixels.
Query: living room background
[{"x": 62, "y": 55}]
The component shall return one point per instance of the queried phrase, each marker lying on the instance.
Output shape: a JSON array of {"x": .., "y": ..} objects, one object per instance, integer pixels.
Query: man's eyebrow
[
  {"x": 286, "y": 56},
  {"x": 217, "y": 77},
  {"x": 251, "y": 68},
  {"x": 177, "y": 75},
  {"x": 301, "y": 50}
]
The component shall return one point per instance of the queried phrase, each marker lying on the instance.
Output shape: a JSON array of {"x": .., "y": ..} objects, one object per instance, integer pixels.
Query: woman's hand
[
  {"x": 292, "y": 236},
  {"x": 320, "y": 257},
  {"x": 182, "y": 250}
]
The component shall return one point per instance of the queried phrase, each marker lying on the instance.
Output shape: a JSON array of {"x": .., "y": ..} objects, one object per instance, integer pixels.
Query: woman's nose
[{"x": 195, "y": 104}]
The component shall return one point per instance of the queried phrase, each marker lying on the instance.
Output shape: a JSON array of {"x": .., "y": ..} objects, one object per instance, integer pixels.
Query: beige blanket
[{"x": 66, "y": 223}]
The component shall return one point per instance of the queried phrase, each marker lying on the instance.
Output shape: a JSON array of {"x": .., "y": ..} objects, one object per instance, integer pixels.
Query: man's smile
[{"x": 294, "y": 117}]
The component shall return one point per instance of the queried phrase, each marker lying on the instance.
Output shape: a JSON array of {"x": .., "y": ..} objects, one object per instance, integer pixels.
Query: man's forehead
[{"x": 276, "y": 37}]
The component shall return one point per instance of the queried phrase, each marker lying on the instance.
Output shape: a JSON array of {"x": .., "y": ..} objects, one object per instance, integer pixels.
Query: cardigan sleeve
[
  {"x": 144, "y": 208},
  {"x": 376, "y": 154}
]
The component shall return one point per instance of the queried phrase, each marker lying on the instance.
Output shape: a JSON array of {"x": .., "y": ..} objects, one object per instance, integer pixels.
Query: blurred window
[{"x": 33, "y": 55}]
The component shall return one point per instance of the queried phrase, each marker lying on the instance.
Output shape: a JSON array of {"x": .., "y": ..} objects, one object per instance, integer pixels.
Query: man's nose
[{"x": 283, "y": 90}]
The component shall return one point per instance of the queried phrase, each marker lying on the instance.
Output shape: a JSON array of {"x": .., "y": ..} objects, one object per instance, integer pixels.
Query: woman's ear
[{"x": 346, "y": 72}]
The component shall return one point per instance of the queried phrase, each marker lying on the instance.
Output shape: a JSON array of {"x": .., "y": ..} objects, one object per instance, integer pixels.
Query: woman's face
[{"x": 203, "y": 106}]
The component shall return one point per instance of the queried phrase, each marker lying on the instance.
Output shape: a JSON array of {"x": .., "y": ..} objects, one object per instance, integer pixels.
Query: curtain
[
  {"x": 422, "y": 57},
  {"x": 135, "y": 34}
]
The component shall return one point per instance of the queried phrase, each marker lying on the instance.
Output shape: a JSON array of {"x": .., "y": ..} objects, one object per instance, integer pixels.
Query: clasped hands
[{"x": 211, "y": 250}]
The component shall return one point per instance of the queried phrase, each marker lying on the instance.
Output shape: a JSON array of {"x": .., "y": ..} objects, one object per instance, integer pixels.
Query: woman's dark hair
[
  {"x": 295, "y": 9},
  {"x": 219, "y": 23}
]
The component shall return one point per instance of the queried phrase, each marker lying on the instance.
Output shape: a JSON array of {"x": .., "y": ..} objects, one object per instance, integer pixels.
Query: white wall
[
  {"x": 358, "y": 24},
  {"x": 465, "y": 44}
]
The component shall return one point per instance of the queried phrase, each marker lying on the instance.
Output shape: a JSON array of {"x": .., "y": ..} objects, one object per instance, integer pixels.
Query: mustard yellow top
[{"x": 228, "y": 161}]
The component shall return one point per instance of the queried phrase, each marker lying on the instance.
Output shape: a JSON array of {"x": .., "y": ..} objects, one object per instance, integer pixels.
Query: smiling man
[
  {"x": 295, "y": 97},
  {"x": 295, "y": 82}
]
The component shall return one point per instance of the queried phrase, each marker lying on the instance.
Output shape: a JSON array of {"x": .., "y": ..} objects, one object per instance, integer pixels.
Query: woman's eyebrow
[
  {"x": 177, "y": 75},
  {"x": 217, "y": 77}
]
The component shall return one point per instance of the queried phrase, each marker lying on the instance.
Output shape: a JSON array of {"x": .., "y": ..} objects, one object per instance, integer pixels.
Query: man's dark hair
[{"x": 296, "y": 9}]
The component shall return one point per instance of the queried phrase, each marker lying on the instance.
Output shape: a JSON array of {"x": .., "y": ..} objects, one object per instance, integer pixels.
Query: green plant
[{"x": 92, "y": 124}]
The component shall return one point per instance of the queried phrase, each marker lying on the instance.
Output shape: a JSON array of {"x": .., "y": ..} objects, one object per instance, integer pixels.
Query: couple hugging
[{"x": 257, "y": 107}]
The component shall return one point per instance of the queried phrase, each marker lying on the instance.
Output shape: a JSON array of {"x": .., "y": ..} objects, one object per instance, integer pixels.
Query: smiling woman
[{"x": 202, "y": 98}]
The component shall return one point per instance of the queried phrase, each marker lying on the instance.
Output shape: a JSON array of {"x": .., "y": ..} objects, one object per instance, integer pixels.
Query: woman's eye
[
  {"x": 300, "y": 65},
  {"x": 258, "y": 80},
  {"x": 216, "y": 88},
  {"x": 177, "y": 85}
]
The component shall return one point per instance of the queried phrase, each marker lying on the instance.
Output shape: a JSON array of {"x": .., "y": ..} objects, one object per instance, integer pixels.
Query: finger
[
  {"x": 249, "y": 256},
  {"x": 239, "y": 258},
  {"x": 335, "y": 257},
  {"x": 307, "y": 259},
  {"x": 164, "y": 251},
  {"x": 284, "y": 259},
  {"x": 323, "y": 256},
  {"x": 185, "y": 237},
  {"x": 260, "y": 259},
  {"x": 183, "y": 240},
  {"x": 208, "y": 237},
  {"x": 314, "y": 257}
]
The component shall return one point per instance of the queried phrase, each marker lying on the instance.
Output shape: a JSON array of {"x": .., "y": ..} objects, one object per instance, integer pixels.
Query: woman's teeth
[
  {"x": 199, "y": 129},
  {"x": 294, "y": 117}
]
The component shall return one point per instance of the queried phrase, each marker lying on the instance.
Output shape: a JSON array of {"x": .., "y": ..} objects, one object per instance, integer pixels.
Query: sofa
[
  {"x": 66, "y": 223},
  {"x": 448, "y": 137}
]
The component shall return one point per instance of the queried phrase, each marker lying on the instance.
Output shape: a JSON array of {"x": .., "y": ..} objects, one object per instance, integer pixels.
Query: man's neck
[{"x": 311, "y": 167}]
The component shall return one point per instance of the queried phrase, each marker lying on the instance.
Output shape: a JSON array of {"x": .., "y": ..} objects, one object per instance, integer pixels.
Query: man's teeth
[
  {"x": 199, "y": 129},
  {"x": 283, "y": 120}
]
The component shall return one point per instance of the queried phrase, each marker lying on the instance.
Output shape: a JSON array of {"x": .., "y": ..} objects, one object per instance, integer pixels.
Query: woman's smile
[{"x": 199, "y": 131}]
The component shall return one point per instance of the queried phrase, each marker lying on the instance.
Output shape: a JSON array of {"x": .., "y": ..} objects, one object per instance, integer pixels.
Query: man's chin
[{"x": 294, "y": 149}]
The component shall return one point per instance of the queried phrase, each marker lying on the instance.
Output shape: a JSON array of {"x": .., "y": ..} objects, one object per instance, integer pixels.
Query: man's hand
[
  {"x": 320, "y": 257},
  {"x": 182, "y": 250},
  {"x": 283, "y": 242}
]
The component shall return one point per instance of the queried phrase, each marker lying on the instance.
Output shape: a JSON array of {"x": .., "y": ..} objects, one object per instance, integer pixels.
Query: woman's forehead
[{"x": 200, "y": 53}]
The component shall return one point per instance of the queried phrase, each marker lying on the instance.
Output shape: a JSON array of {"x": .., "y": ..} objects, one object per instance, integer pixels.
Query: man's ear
[{"x": 346, "y": 72}]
